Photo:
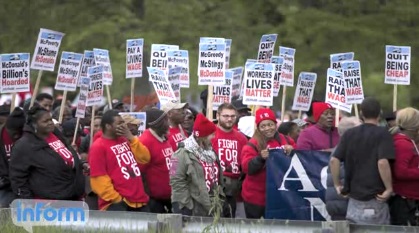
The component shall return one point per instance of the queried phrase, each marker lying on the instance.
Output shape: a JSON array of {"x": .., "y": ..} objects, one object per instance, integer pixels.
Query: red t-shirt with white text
[
  {"x": 157, "y": 170},
  {"x": 8, "y": 143},
  {"x": 115, "y": 159},
  {"x": 228, "y": 146},
  {"x": 175, "y": 136},
  {"x": 211, "y": 174},
  {"x": 58, "y": 146}
]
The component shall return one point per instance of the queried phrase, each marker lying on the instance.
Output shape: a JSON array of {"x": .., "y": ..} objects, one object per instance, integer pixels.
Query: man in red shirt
[
  {"x": 156, "y": 172},
  {"x": 176, "y": 114},
  {"x": 228, "y": 144},
  {"x": 114, "y": 172}
]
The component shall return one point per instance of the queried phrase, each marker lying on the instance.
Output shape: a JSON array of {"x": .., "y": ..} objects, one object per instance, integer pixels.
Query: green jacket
[{"x": 188, "y": 183}]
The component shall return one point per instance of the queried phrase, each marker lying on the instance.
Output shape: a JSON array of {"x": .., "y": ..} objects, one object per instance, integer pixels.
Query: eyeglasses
[{"x": 229, "y": 116}]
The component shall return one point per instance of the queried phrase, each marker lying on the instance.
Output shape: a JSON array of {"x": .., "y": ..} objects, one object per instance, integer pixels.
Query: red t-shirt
[
  {"x": 228, "y": 146},
  {"x": 115, "y": 159},
  {"x": 58, "y": 146},
  {"x": 157, "y": 170},
  {"x": 8, "y": 143},
  {"x": 211, "y": 173},
  {"x": 175, "y": 136}
]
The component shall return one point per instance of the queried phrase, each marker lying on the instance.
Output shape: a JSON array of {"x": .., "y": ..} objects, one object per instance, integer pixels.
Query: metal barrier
[{"x": 101, "y": 221}]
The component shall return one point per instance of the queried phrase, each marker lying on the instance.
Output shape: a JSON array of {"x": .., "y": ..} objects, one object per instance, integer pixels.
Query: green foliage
[{"x": 315, "y": 28}]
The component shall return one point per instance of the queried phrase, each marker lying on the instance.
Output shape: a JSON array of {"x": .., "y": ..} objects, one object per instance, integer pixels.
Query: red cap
[
  {"x": 264, "y": 114},
  {"x": 202, "y": 126},
  {"x": 319, "y": 108}
]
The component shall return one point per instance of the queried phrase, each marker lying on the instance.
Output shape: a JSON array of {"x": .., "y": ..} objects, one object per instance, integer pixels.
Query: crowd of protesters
[{"x": 183, "y": 160}]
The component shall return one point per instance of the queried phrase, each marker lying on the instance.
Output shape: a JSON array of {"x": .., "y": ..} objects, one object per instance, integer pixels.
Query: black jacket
[
  {"x": 38, "y": 171},
  {"x": 4, "y": 165}
]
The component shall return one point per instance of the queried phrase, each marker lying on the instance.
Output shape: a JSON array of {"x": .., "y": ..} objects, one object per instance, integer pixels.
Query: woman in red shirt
[
  {"x": 405, "y": 170},
  {"x": 254, "y": 155}
]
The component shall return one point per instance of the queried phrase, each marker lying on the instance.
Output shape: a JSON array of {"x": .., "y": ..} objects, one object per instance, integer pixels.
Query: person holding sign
[
  {"x": 254, "y": 155},
  {"x": 323, "y": 135},
  {"x": 114, "y": 172},
  {"x": 56, "y": 173},
  {"x": 195, "y": 172},
  {"x": 156, "y": 172},
  {"x": 404, "y": 205}
]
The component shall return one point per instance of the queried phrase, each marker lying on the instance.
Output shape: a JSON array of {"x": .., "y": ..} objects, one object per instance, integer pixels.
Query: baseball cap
[
  {"x": 174, "y": 104},
  {"x": 130, "y": 119}
]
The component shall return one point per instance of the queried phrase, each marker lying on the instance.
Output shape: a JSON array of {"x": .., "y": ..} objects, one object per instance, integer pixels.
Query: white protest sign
[
  {"x": 335, "y": 90},
  {"x": 95, "y": 94},
  {"x": 278, "y": 61},
  {"x": 68, "y": 71},
  {"x": 82, "y": 102},
  {"x": 159, "y": 56},
  {"x": 102, "y": 58},
  {"x": 266, "y": 48},
  {"x": 211, "y": 66},
  {"x": 337, "y": 59},
  {"x": 46, "y": 50},
  {"x": 228, "y": 49},
  {"x": 15, "y": 73},
  {"x": 237, "y": 80},
  {"x": 258, "y": 88},
  {"x": 248, "y": 63},
  {"x": 174, "y": 80},
  {"x": 222, "y": 93},
  {"x": 397, "y": 65},
  {"x": 141, "y": 116},
  {"x": 304, "y": 91},
  {"x": 88, "y": 61},
  {"x": 134, "y": 63},
  {"x": 354, "y": 93},
  {"x": 161, "y": 85},
  {"x": 180, "y": 58},
  {"x": 211, "y": 40},
  {"x": 287, "y": 69}
]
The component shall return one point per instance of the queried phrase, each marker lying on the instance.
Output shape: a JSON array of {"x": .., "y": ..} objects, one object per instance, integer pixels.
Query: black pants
[
  {"x": 92, "y": 201},
  {"x": 402, "y": 211},
  {"x": 122, "y": 206},
  {"x": 254, "y": 211},
  {"x": 229, "y": 208},
  {"x": 160, "y": 206}
]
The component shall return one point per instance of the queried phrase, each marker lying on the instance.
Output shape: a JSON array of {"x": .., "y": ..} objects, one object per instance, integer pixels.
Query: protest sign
[
  {"x": 95, "y": 93},
  {"x": 278, "y": 61},
  {"x": 397, "y": 65},
  {"x": 161, "y": 85},
  {"x": 287, "y": 69},
  {"x": 134, "y": 64},
  {"x": 228, "y": 49},
  {"x": 141, "y": 116},
  {"x": 159, "y": 56},
  {"x": 353, "y": 83},
  {"x": 46, "y": 50},
  {"x": 82, "y": 102},
  {"x": 248, "y": 63},
  {"x": 237, "y": 80},
  {"x": 180, "y": 58},
  {"x": 304, "y": 91},
  {"x": 15, "y": 73},
  {"x": 222, "y": 93},
  {"x": 335, "y": 90},
  {"x": 337, "y": 59},
  {"x": 88, "y": 61},
  {"x": 102, "y": 58},
  {"x": 296, "y": 185},
  {"x": 266, "y": 48},
  {"x": 211, "y": 66},
  {"x": 211, "y": 40},
  {"x": 68, "y": 71},
  {"x": 258, "y": 88},
  {"x": 174, "y": 80}
]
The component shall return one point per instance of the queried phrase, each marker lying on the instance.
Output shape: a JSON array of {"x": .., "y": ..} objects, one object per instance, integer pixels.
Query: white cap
[
  {"x": 247, "y": 125},
  {"x": 174, "y": 104}
]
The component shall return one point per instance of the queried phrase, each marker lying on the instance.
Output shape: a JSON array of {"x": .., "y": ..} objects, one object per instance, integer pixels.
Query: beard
[{"x": 226, "y": 125}]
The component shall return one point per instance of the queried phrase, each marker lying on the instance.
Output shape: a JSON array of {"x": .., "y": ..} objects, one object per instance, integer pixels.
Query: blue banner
[{"x": 296, "y": 185}]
